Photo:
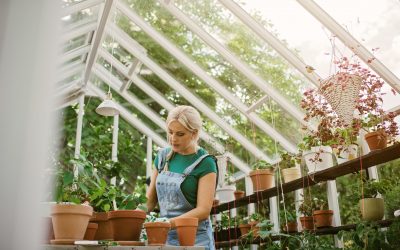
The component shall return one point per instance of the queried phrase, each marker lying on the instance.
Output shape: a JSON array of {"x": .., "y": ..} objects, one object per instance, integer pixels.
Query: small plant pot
[
  {"x": 104, "y": 229},
  {"x": 69, "y": 222},
  {"x": 307, "y": 222},
  {"x": 126, "y": 224},
  {"x": 254, "y": 228},
  {"x": 290, "y": 174},
  {"x": 376, "y": 140},
  {"x": 157, "y": 232},
  {"x": 186, "y": 229},
  {"x": 215, "y": 202},
  {"x": 226, "y": 193},
  {"x": 290, "y": 227},
  {"x": 244, "y": 229},
  {"x": 372, "y": 209},
  {"x": 90, "y": 231},
  {"x": 323, "y": 218},
  {"x": 262, "y": 179},
  {"x": 239, "y": 194}
]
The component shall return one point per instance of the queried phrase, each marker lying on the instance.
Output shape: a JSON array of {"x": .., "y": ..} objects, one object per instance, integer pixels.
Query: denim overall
[{"x": 173, "y": 203}]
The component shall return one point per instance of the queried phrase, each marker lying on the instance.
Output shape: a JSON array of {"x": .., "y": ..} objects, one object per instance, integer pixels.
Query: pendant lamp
[{"x": 107, "y": 107}]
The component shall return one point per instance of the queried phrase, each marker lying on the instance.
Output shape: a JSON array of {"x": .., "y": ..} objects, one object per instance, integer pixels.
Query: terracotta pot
[
  {"x": 244, "y": 229},
  {"x": 104, "y": 229},
  {"x": 239, "y": 194},
  {"x": 372, "y": 209},
  {"x": 70, "y": 221},
  {"x": 262, "y": 179},
  {"x": 307, "y": 222},
  {"x": 290, "y": 227},
  {"x": 90, "y": 231},
  {"x": 254, "y": 228},
  {"x": 186, "y": 229},
  {"x": 376, "y": 140},
  {"x": 157, "y": 232},
  {"x": 126, "y": 224},
  {"x": 290, "y": 174},
  {"x": 323, "y": 218}
]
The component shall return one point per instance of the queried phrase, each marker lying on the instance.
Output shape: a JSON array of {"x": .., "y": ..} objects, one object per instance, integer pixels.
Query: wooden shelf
[
  {"x": 321, "y": 231},
  {"x": 372, "y": 159}
]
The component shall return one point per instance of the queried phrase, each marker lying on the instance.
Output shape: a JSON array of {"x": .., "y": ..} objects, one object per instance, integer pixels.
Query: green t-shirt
[{"x": 179, "y": 163}]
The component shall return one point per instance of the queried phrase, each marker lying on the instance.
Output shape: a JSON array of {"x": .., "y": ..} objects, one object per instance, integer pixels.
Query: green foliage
[
  {"x": 373, "y": 187},
  {"x": 226, "y": 222},
  {"x": 261, "y": 164},
  {"x": 289, "y": 160},
  {"x": 155, "y": 217},
  {"x": 265, "y": 228},
  {"x": 70, "y": 188},
  {"x": 306, "y": 207},
  {"x": 319, "y": 203},
  {"x": 102, "y": 195}
]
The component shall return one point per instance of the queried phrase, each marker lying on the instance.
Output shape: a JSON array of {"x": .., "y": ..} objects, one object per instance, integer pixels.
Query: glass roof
[{"x": 227, "y": 67}]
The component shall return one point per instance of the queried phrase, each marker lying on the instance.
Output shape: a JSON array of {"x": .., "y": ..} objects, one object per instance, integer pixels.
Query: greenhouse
[{"x": 262, "y": 124}]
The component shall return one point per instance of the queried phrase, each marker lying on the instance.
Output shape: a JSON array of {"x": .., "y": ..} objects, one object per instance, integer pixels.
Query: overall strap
[
  {"x": 162, "y": 158},
  {"x": 189, "y": 169}
]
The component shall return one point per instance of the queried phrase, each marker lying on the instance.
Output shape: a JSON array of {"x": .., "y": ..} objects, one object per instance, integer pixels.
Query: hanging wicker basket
[{"x": 341, "y": 92}]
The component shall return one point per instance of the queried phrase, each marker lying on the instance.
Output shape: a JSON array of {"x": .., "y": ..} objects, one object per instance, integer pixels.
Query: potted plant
[
  {"x": 371, "y": 206},
  {"x": 226, "y": 228},
  {"x": 128, "y": 218},
  {"x": 102, "y": 196},
  {"x": 254, "y": 219},
  {"x": 244, "y": 225},
  {"x": 262, "y": 176},
  {"x": 290, "y": 166},
  {"x": 156, "y": 229},
  {"x": 288, "y": 218},
  {"x": 306, "y": 209},
  {"x": 347, "y": 148},
  {"x": 225, "y": 193},
  {"x": 69, "y": 216},
  {"x": 322, "y": 216},
  {"x": 186, "y": 228}
]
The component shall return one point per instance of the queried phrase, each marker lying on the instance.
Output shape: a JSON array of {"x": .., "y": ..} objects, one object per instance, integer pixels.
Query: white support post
[
  {"x": 78, "y": 136},
  {"x": 352, "y": 43},
  {"x": 114, "y": 153},
  {"x": 298, "y": 194},
  {"x": 249, "y": 190},
  {"x": 333, "y": 203},
  {"x": 274, "y": 213},
  {"x": 124, "y": 40}
]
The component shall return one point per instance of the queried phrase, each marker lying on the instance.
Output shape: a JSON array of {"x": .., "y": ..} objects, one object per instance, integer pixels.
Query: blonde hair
[{"x": 189, "y": 118}]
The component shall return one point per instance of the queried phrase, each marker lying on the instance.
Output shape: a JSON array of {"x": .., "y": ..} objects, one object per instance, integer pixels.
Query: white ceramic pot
[
  {"x": 317, "y": 163},
  {"x": 226, "y": 193},
  {"x": 290, "y": 174}
]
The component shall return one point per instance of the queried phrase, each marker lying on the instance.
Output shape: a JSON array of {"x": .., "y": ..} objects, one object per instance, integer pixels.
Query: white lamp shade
[{"x": 107, "y": 108}]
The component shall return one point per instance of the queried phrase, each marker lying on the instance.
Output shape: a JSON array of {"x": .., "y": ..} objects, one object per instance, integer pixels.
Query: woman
[{"x": 184, "y": 180}]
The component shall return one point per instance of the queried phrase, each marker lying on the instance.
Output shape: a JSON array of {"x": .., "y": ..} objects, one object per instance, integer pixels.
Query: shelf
[
  {"x": 372, "y": 159},
  {"x": 321, "y": 231}
]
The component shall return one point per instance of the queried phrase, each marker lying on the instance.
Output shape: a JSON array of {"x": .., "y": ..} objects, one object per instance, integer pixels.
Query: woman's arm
[
  {"x": 205, "y": 197},
  {"x": 151, "y": 192}
]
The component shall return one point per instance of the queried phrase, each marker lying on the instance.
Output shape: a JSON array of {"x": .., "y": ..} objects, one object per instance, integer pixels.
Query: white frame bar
[
  {"x": 74, "y": 53},
  {"x": 79, "y": 6},
  {"x": 80, "y": 31},
  {"x": 351, "y": 43},
  {"x": 98, "y": 38},
  {"x": 114, "y": 151}
]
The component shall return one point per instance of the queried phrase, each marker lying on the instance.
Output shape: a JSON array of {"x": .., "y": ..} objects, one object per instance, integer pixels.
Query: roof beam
[
  {"x": 69, "y": 70},
  {"x": 135, "y": 122},
  {"x": 274, "y": 42},
  {"x": 75, "y": 53},
  {"x": 159, "y": 98},
  {"x": 351, "y": 43},
  {"x": 134, "y": 69},
  {"x": 213, "y": 83},
  {"x": 124, "y": 40},
  {"x": 98, "y": 37},
  {"x": 79, "y": 31},
  {"x": 79, "y": 6}
]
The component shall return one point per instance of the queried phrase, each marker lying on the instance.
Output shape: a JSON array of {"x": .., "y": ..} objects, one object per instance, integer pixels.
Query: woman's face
[{"x": 181, "y": 139}]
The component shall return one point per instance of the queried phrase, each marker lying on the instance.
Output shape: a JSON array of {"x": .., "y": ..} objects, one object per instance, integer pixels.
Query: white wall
[{"x": 28, "y": 40}]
